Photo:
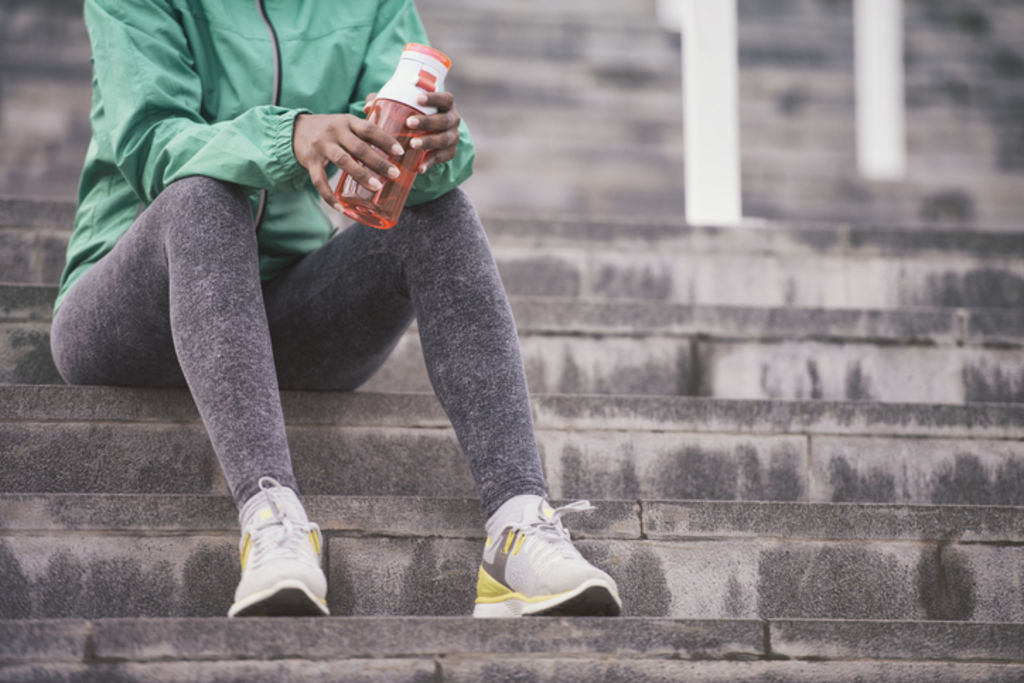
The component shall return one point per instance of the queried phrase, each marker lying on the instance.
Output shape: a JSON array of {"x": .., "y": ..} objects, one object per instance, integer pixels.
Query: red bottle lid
[{"x": 427, "y": 50}]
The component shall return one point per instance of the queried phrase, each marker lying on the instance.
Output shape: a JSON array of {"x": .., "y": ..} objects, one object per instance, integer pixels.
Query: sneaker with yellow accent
[
  {"x": 280, "y": 551},
  {"x": 530, "y": 567}
]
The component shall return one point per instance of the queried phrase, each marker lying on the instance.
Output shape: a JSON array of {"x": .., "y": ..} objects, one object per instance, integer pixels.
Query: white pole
[
  {"x": 669, "y": 15},
  {"x": 711, "y": 130},
  {"x": 881, "y": 115}
]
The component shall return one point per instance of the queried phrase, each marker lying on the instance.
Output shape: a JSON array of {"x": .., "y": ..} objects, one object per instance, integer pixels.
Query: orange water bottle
[{"x": 421, "y": 69}]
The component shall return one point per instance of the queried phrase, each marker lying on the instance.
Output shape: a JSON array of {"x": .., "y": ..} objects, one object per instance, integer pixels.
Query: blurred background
[{"x": 576, "y": 107}]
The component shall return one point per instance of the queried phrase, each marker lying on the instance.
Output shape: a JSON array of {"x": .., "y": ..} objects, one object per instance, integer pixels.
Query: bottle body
[
  {"x": 381, "y": 209},
  {"x": 421, "y": 69}
]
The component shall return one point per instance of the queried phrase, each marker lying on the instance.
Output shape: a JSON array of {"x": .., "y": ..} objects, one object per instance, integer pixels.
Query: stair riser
[
  {"x": 162, "y": 458},
  {"x": 28, "y": 256},
  {"x": 724, "y": 279},
  {"x": 25, "y": 356},
  {"x": 106, "y": 576},
  {"x": 71, "y": 404},
  {"x": 673, "y": 273},
  {"x": 356, "y": 669},
  {"x": 678, "y": 366}
]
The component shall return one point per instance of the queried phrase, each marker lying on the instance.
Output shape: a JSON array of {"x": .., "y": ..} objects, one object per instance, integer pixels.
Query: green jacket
[{"x": 182, "y": 88}]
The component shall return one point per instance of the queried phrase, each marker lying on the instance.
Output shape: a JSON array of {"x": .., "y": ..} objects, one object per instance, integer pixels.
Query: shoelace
[
  {"x": 291, "y": 538},
  {"x": 558, "y": 544}
]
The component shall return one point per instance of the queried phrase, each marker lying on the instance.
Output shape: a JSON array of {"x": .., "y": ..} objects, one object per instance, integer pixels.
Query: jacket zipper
[{"x": 276, "y": 98}]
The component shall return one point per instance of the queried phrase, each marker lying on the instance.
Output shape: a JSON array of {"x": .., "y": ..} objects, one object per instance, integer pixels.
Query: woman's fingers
[
  {"x": 442, "y": 101},
  {"x": 356, "y": 149},
  {"x": 441, "y": 130},
  {"x": 364, "y": 151},
  {"x": 377, "y": 140},
  {"x": 350, "y": 143},
  {"x": 368, "y": 105},
  {"x": 318, "y": 176}
]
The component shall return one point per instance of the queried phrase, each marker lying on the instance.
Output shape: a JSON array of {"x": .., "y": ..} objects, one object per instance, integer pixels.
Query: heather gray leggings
[{"x": 179, "y": 300}]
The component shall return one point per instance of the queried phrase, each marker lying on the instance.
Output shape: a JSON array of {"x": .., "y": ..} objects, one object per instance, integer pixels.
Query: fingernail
[
  {"x": 412, "y": 122},
  {"x": 396, "y": 150},
  {"x": 393, "y": 172},
  {"x": 422, "y": 99},
  {"x": 375, "y": 184},
  {"x": 416, "y": 143},
  {"x": 423, "y": 168}
]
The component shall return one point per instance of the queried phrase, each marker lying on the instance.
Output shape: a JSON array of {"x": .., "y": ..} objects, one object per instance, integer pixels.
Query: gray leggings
[{"x": 179, "y": 300}]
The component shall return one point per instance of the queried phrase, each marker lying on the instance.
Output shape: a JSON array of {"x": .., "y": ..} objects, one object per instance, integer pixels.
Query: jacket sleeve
[
  {"x": 398, "y": 23},
  {"x": 152, "y": 98}
]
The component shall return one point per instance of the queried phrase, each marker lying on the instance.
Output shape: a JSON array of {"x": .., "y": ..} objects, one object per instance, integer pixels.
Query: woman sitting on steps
[{"x": 200, "y": 258}]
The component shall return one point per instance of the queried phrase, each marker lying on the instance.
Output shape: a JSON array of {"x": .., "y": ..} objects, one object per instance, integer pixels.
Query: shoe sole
[
  {"x": 288, "y": 598},
  {"x": 594, "y": 598}
]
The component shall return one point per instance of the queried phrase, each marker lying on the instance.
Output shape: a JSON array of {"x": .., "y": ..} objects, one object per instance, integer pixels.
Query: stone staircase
[
  {"x": 614, "y": 308},
  {"x": 805, "y": 437},
  {"x": 811, "y": 538}
]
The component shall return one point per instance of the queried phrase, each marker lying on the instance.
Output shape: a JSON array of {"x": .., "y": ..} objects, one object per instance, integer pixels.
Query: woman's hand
[
  {"x": 355, "y": 145},
  {"x": 441, "y": 130},
  {"x": 352, "y": 144}
]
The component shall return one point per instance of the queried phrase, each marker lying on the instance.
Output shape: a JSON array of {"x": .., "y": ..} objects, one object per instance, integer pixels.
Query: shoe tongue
[
  {"x": 519, "y": 510},
  {"x": 542, "y": 512},
  {"x": 257, "y": 511},
  {"x": 545, "y": 511},
  {"x": 260, "y": 509},
  {"x": 263, "y": 514}
]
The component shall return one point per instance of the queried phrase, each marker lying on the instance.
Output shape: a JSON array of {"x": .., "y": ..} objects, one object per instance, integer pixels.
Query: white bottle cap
[{"x": 421, "y": 69}]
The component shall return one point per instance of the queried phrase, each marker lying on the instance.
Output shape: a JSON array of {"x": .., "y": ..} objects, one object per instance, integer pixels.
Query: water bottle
[{"x": 421, "y": 69}]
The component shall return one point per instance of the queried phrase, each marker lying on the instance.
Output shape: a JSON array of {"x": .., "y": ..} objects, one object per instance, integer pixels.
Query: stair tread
[
  {"x": 608, "y": 413},
  {"x": 639, "y": 317},
  {"x": 212, "y": 639},
  {"x": 612, "y": 447},
  {"x": 419, "y": 516},
  {"x": 583, "y": 229}
]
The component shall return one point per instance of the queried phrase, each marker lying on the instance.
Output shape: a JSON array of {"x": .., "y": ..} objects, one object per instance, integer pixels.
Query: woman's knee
[
  {"x": 202, "y": 216},
  {"x": 201, "y": 190},
  {"x": 197, "y": 200},
  {"x": 450, "y": 217}
]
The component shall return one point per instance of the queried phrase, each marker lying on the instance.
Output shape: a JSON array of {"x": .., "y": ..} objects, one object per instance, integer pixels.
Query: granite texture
[
  {"x": 898, "y": 640},
  {"x": 154, "y": 639},
  {"x": 96, "y": 556}
]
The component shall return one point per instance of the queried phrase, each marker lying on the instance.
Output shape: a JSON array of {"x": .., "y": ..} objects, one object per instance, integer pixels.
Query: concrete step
[
  {"x": 120, "y": 556},
  {"x": 775, "y": 264},
  {"x": 462, "y": 649},
  {"x": 583, "y": 346},
  {"x": 786, "y": 38},
  {"x": 945, "y": 206},
  {"x": 771, "y": 34},
  {"x": 152, "y": 441},
  {"x": 594, "y": 82},
  {"x": 646, "y": 175},
  {"x": 767, "y": 134}
]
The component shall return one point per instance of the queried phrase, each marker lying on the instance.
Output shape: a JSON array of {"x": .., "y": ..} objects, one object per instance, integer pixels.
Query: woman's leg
[
  {"x": 178, "y": 300},
  {"x": 337, "y": 314}
]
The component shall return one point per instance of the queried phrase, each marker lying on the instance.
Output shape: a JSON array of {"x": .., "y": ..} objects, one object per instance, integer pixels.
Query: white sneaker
[
  {"x": 530, "y": 567},
  {"x": 280, "y": 550}
]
